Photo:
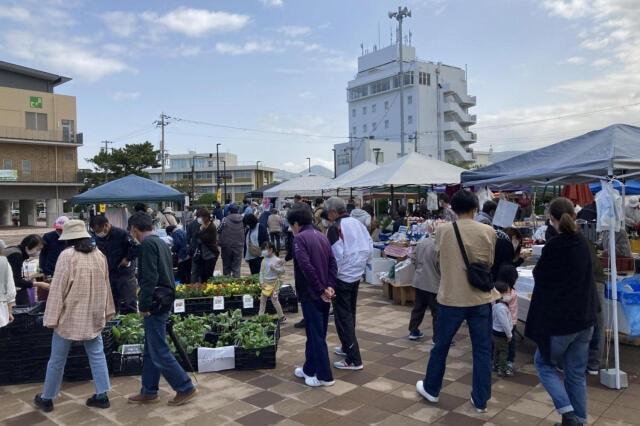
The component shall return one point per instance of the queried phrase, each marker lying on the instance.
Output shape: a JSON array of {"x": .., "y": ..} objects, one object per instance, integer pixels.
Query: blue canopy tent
[
  {"x": 130, "y": 188},
  {"x": 610, "y": 154},
  {"x": 631, "y": 187}
]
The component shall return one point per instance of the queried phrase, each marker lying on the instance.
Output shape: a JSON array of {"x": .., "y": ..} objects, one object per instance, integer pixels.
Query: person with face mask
[
  {"x": 53, "y": 246},
  {"x": 516, "y": 241},
  {"x": 121, "y": 253},
  {"x": 28, "y": 248},
  {"x": 271, "y": 271},
  {"x": 255, "y": 236},
  {"x": 207, "y": 250}
]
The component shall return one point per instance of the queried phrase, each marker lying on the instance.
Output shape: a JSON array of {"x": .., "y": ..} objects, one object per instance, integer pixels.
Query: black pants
[
  {"x": 275, "y": 240},
  {"x": 124, "y": 290},
  {"x": 254, "y": 265},
  {"x": 511, "y": 357},
  {"x": 184, "y": 271},
  {"x": 231, "y": 261},
  {"x": 344, "y": 311},
  {"x": 424, "y": 300},
  {"x": 206, "y": 268}
]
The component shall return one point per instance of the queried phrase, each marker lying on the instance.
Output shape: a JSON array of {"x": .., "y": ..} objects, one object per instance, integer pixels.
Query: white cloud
[
  {"x": 15, "y": 13},
  {"x": 196, "y": 22},
  {"x": 125, "y": 96},
  {"x": 122, "y": 24},
  {"x": 65, "y": 56},
  {"x": 575, "y": 60},
  {"x": 602, "y": 62},
  {"x": 568, "y": 8},
  {"x": 272, "y": 3},
  {"x": 294, "y": 30},
  {"x": 246, "y": 48}
]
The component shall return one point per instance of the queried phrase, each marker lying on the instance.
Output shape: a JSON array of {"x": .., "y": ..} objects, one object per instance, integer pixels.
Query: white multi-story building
[{"x": 436, "y": 105}]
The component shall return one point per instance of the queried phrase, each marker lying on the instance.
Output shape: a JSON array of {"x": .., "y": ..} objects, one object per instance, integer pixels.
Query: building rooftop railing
[{"x": 57, "y": 135}]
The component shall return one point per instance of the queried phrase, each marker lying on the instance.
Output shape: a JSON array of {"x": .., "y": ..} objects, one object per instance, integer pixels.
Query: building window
[
  {"x": 386, "y": 105},
  {"x": 373, "y": 108},
  {"x": 428, "y": 79},
  {"x": 410, "y": 119},
  {"x": 422, "y": 78},
  {"x": 374, "y": 126},
  {"x": 364, "y": 128},
  {"x": 7, "y": 165},
  {"x": 36, "y": 121},
  {"x": 353, "y": 130},
  {"x": 364, "y": 110},
  {"x": 409, "y": 100},
  {"x": 67, "y": 130},
  {"x": 353, "y": 112},
  {"x": 386, "y": 124},
  {"x": 26, "y": 167}
]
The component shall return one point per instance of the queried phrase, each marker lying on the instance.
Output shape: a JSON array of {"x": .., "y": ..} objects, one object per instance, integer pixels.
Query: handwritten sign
[
  {"x": 218, "y": 303},
  {"x": 216, "y": 359},
  {"x": 131, "y": 349},
  {"x": 178, "y": 306},
  {"x": 247, "y": 301}
]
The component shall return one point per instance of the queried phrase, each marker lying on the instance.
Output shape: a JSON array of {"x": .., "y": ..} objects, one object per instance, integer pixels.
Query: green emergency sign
[{"x": 35, "y": 101}]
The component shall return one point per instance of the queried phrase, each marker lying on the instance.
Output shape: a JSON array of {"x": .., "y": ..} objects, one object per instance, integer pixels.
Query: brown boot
[
  {"x": 182, "y": 398},
  {"x": 143, "y": 399}
]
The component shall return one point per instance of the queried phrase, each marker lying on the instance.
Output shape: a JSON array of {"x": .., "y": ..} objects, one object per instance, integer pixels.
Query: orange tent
[{"x": 580, "y": 194}]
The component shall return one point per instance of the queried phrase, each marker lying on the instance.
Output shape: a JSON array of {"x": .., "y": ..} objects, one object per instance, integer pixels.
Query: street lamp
[
  {"x": 217, "y": 170},
  {"x": 258, "y": 185},
  {"x": 224, "y": 179},
  {"x": 402, "y": 13},
  {"x": 309, "y": 159},
  {"x": 193, "y": 173}
]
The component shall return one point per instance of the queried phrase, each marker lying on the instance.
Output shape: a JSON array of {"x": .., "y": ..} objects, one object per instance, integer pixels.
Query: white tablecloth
[{"x": 524, "y": 287}]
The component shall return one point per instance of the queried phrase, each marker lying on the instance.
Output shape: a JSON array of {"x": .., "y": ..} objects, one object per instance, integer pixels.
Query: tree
[
  {"x": 206, "y": 199},
  {"x": 121, "y": 162}
]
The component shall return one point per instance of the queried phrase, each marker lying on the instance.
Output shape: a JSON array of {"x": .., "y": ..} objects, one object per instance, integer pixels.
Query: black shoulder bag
[{"x": 478, "y": 273}]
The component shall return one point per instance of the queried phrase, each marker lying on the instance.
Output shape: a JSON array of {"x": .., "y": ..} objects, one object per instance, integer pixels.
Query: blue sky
[{"x": 283, "y": 65}]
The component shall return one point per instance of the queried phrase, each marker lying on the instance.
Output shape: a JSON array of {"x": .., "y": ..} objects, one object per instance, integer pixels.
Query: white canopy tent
[
  {"x": 342, "y": 181},
  {"x": 308, "y": 185},
  {"x": 412, "y": 169}
]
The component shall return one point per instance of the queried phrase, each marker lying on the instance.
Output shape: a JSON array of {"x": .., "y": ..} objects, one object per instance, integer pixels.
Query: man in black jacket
[
  {"x": 155, "y": 271},
  {"x": 117, "y": 246}
]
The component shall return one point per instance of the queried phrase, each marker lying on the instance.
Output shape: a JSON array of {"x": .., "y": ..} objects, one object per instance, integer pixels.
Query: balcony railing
[
  {"x": 7, "y": 132},
  {"x": 40, "y": 176}
]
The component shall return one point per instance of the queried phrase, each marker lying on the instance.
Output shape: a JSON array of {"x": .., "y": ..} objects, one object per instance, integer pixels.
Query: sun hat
[
  {"x": 59, "y": 223},
  {"x": 634, "y": 202},
  {"x": 168, "y": 210},
  {"x": 74, "y": 230}
]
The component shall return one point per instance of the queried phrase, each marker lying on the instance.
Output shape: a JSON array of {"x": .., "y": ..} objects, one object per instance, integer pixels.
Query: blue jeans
[
  {"x": 158, "y": 359},
  {"x": 316, "y": 320},
  {"x": 572, "y": 352},
  {"x": 450, "y": 319},
  {"x": 55, "y": 368}
]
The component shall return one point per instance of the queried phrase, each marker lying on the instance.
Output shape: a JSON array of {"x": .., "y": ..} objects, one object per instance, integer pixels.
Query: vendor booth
[
  {"x": 308, "y": 185},
  {"x": 609, "y": 155},
  {"x": 130, "y": 188},
  {"x": 333, "y": 186}
]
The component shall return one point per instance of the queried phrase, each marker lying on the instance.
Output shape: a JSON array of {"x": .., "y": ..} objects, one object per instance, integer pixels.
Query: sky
[{"x": 542, "y": 70}]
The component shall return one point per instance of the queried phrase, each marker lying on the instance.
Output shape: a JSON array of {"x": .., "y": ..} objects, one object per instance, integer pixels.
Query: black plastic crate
[
  {"x": 198, "y": 306},
  {"x": 256, "y": 359},
  {"x": 126, "y": 365}
]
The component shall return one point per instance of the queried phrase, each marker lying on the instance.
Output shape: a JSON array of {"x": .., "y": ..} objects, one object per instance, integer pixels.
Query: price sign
[
  {"x": 131, "y": 349},
  {"x": 178, "y": 306},
  {"x": 247, "y": 301},
  {"x": 218, "y": 303}
]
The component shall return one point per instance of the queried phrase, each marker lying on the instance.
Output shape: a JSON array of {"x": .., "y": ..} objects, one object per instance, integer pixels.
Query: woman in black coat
[
  {"x": 562, "y": 314},
  {"x": 28, "y": 248},
  {"x": 255, "y": 236}
]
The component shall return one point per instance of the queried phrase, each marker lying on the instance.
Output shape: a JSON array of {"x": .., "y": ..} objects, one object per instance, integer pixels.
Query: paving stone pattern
[{"x": 381, "y": 394}]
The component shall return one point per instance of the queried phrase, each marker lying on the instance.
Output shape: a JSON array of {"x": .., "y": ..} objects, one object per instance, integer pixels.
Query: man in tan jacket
[{"x": 458, "y": 301}]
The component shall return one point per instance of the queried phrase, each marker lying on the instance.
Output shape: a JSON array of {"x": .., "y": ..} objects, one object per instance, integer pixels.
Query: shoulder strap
[{"x": 460, "y": 244}]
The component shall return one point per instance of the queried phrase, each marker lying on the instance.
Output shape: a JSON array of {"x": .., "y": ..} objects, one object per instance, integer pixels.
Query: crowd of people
[{"x": 465, "y": 271}]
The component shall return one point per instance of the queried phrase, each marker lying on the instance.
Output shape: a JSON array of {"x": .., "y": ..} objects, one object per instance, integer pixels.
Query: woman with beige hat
[{"x": 78, "y": 307}]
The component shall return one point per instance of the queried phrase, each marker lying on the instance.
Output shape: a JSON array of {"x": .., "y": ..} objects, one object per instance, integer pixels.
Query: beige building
[
  {"x": 38, "y": 143},
  {"x": 238, "y": 179}
]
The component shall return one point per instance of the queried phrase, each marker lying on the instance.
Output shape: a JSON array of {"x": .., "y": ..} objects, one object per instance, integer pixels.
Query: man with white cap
[
  {"x": 632, "y": 213},
  {"x": 53, "y": 246}
]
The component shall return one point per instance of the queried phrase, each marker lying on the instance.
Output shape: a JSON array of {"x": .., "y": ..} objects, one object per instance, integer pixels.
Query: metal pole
[
  {"x": 335, "y": 171},
  {"x": 162, "y": 146},
  {"x": 193, "y": 182},
  {"x": 217, "y": 170},
  {"x": 224, "y": 177},
  {"x": 309, "y": 159}
]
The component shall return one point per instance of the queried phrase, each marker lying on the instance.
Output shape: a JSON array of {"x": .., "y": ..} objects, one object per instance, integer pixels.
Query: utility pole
[
  {"x": 309, "y": 159},
  {"x": 258, "y": 184},
  {"x": 217, "y": 170},
  {"x": 402, "y": 13},
  {"x": 224, "y": 176},
  {"x": 106, "y": 151},
  {"x": 161, "y": 123}
]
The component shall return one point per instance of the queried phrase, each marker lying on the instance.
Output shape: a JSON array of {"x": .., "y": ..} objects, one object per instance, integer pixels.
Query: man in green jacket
[{"x": 155, "y": 271}]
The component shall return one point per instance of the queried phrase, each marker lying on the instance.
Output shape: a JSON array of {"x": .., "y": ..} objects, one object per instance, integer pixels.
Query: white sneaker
[
  {"x": 327, "y": 384},
  {"x": 299, "y": 373},
  {"x": 478, "y": 410},
  {"x": 315, "y": 383},
  {"x": 338, "y": 351},
  {"x": 424, "y": 393}
]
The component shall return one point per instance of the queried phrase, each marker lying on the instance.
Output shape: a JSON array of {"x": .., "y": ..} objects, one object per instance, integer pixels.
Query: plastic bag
[
  {"x": 609, "y": 206},
  {"x": 432, "y": 201}
]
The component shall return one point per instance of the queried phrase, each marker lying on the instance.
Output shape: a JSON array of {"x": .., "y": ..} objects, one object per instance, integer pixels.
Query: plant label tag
[
  {"x": 178, "y": 306},
  {"x": 218, "y": 303},
  {"x": 247, "y": 301},
  {"x": 131, "y": 349}
]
